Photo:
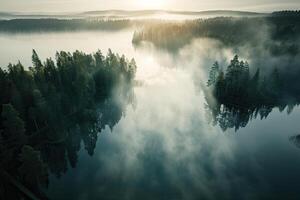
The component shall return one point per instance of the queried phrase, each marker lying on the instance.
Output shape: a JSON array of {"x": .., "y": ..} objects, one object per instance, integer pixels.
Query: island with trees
[{"x": 235, "y": 96}]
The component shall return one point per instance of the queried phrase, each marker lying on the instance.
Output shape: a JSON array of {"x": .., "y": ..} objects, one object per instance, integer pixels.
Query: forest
[
  {"x": 47, "y": 110},
  {"x": 282, "y": 28},
  {"x": 234, "y": 96}
]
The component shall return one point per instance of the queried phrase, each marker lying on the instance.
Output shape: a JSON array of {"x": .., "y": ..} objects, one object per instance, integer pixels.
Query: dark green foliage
[
  {"x": 286, "y": 13},
  {"x": 12, "y": 134},
  {"x": 214, "y": 74},
  {"x": 41, "y": 106},
  {"x": 13, "y": 126},
  {"x": 237, "y": 97},
  {"x": 37, "y": 64},
  {"x": 33, "y": 170}
]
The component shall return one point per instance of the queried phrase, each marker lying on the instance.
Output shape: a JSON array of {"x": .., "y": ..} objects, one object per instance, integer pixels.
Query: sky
[{"x": 192, "y": 5}]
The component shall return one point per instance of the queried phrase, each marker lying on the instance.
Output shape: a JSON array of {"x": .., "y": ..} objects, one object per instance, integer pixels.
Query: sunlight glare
[{"x": 151, "y": 4}]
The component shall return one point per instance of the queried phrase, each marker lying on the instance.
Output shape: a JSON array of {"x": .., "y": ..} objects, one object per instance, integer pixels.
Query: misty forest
[
  {"x": 149, "y": 103},
  {"x": 42, "y": 108}
]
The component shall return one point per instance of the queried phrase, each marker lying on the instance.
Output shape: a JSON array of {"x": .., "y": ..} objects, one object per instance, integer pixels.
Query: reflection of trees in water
[
  {"x": 59, "y": 155},
  {"x": 234, "y": 97},
  {"x": 236, "y": 116},
  {"x": 50, "y": 109},
  {"x": 295, "y": 140}
]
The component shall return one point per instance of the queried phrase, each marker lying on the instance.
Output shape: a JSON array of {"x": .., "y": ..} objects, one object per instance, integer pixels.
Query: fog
[
  {"x": 18, "y": 46},
  {"x": 164, "y": 146}
]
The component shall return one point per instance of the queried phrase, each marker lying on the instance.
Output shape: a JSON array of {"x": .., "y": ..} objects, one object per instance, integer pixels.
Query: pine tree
[
  {"x": 36, "y": 60},
  {"x": 213, "y": 74}
]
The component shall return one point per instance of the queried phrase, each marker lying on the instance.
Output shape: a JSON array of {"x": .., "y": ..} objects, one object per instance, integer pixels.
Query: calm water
[{"x": 164, "y": 146}]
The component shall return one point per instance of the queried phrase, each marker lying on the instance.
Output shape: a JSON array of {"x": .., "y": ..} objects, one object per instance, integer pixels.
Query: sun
[{"x": 151, "y": 4}]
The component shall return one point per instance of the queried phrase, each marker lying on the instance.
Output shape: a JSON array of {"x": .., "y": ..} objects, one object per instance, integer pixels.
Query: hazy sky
[{"x": 84, "y": 5}]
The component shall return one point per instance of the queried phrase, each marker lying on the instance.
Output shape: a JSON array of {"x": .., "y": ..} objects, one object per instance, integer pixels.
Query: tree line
[
  {"x": 33, "y": 25},
  {"x": 42, "y": 107},
  {"x": 281, "y": 29}
]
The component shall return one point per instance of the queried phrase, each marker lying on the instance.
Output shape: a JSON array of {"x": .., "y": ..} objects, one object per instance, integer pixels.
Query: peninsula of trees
[{"x": 47, "y": 110}]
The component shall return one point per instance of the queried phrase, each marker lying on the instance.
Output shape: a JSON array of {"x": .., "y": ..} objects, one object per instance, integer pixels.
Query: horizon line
[{"x": 142, "y": 10}]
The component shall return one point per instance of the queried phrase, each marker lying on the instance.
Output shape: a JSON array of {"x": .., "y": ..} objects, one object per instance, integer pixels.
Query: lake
[{"x": 164, "y": 146}]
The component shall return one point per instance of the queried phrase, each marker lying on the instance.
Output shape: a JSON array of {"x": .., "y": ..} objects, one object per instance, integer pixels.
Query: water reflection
[
  {"x": 235, "y": 97},
  {"x": 63, "y": 153},
  {"x": 163, "y": 147},
  {"x": 59, "y": 106},
  {"x": 271, "y": 81},
  {"x": 59, "y": 155},
  {"x": 295, "y": 140},
  {"x": 238, "y": 117}
]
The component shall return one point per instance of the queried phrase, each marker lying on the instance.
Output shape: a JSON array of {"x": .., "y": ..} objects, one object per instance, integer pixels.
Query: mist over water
[
  {"x": 18, "y": 46},
  {"x": 164, "y": 146}
]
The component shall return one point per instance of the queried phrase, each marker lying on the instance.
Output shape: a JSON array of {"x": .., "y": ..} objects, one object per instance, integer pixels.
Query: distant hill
[
  {"x": 154, "y": 12},
  {"x": 128, "y": 14},
  {"x": 5, "y": 14},
  {"x": 219, "y": 12},
  {"x": 118, "y": 20},
  {"x": 8, "y": 16}
]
